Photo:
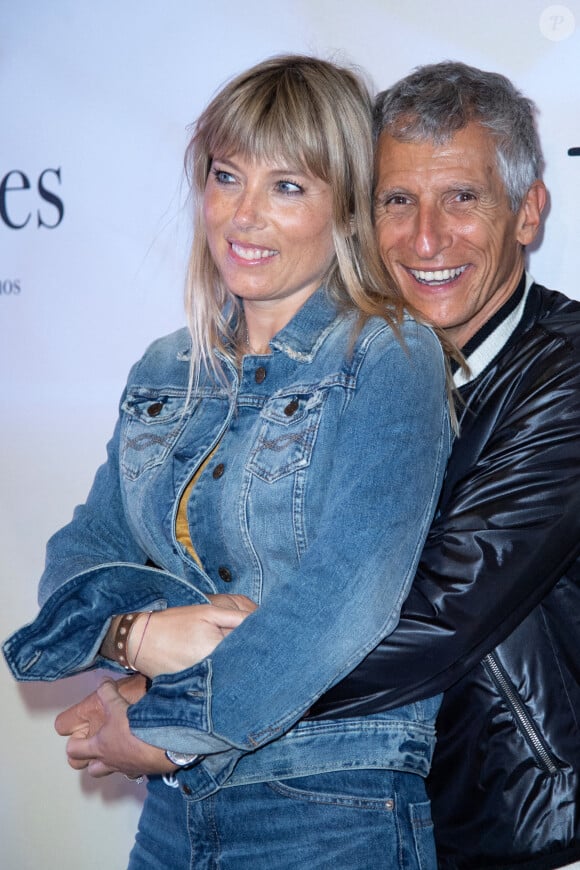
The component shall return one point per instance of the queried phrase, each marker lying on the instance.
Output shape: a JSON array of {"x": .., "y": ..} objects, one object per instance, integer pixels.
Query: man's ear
[{"x": 530, "y": 213}]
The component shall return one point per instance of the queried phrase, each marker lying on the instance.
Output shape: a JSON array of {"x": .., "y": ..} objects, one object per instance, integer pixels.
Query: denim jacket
[{"x": 316, "y": 503}]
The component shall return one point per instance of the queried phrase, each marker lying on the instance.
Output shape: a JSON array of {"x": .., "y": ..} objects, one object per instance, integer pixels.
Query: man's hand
[
  {"x": 85, "y": 718},
  {"x": 101, "y": 739},
  {"x": 98, "y": 728}
]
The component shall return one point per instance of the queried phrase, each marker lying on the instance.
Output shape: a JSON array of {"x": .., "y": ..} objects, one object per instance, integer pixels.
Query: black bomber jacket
[{"x": 493, "y": 618}]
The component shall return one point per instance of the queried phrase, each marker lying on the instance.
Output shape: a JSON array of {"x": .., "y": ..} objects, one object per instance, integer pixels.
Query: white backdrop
[{"x": 95, "y": 100}]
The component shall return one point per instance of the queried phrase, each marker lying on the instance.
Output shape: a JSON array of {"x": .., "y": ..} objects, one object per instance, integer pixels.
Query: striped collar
[{"x": 493, "y": 335}]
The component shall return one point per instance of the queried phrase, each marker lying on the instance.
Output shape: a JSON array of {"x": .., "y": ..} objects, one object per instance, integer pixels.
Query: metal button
[
  {"x": 291, "y": 407},
  {"x": 218, "y": 471},
  {"x": 225, "y": 574},
  {"x": 260, "y": 374},
  {"x": 155, "y": 409},
  {"x": 390, "y": 804},
  {"x": 186, "y": 790}
]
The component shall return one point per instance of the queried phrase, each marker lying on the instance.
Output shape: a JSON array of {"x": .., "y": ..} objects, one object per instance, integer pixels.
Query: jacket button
[
  {"x": 218, "y": 471},
  {"x": 291, "y": 408},
  {"x": 155, "y": 409},
  {"x": 260, "y": 374},
  {"x": 225, "y": 574},
  {"x": 186, "y": 790}
]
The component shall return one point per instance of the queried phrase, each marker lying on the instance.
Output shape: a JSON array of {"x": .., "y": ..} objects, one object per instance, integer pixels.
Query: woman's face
[{"x": 269, "y": 229}]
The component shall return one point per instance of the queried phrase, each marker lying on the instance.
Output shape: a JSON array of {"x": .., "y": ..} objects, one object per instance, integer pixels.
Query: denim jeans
[{"x": 345, "y": 820}]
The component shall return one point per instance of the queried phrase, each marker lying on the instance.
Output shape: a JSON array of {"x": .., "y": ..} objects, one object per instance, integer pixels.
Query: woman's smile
[{"x": 250, "y": 254}]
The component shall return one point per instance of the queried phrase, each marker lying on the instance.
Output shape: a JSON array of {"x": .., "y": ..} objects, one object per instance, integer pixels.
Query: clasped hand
[
  {"x": 179, "y": 637},
  {"x": 98, "y": 728},
  {"x": 99, "y": 735}
]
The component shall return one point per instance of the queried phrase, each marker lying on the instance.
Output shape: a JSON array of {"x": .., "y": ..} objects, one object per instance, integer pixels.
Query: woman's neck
[{"x": 264, "y": 318}]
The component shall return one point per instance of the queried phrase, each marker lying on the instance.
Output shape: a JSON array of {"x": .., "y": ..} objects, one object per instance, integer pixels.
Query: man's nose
[{"x": 432, "y": 234}]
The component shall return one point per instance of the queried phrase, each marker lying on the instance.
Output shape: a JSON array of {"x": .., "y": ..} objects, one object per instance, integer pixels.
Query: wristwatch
[{"x": 182, "y": 759}]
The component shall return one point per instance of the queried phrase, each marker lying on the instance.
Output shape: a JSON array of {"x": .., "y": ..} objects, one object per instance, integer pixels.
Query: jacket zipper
[{"x": 521, "y": 715}]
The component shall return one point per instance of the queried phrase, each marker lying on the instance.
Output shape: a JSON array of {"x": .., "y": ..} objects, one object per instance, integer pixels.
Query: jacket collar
[
  {"x": 303, "y": 335},
  {"x": 491, "y": 339}
]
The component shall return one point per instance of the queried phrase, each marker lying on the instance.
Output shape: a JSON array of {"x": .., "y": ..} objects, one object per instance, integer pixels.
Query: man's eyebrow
[{"x": 391, "y": 190}]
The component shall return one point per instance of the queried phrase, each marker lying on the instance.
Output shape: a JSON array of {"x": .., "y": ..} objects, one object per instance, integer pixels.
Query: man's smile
[{"x": 437, "y": 277}]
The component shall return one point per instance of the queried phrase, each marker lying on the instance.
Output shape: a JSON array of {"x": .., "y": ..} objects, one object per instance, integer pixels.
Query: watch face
[{"x": 181, "y": 759}]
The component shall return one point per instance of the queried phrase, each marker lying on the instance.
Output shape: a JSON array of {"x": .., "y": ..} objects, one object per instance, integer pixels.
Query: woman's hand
[
  {"x": 98, "y": 729},
  {"x": 172, "y": 640},
  {"x": 101, "y": 739}
]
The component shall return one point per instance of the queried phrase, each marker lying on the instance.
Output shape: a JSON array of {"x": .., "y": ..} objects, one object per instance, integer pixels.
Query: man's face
[{"x": 445, "y": 229}]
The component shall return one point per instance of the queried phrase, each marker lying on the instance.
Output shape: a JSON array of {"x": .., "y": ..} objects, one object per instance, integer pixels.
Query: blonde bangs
[{"x": 266, "y": 123}]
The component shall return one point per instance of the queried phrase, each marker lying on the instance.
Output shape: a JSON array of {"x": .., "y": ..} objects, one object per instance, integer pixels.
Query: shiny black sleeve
[{"x": 507, "y": 529}]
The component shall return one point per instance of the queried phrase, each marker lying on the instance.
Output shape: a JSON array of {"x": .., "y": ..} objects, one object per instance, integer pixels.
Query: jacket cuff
[
  {"x": 176, "y": 713},
  {"x": 65, "y": 637}
]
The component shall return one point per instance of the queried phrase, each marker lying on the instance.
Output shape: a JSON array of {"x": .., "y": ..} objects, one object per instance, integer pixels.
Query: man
[{"x": 494, "y": 615}]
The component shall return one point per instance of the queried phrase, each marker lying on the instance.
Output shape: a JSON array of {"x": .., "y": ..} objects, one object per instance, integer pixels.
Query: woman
[{"x": 288, "y": 448}]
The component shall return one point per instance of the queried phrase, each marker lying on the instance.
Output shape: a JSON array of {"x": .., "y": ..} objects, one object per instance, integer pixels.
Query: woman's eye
[
  {"x": 289, "y": 187},
  {"x": 222, "y": 177}
]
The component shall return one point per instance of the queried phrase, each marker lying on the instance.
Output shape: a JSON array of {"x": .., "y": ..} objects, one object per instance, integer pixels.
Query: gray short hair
[{"x": 437, "y": 100}]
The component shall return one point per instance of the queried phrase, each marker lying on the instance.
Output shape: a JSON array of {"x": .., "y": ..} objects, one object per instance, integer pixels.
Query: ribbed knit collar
[{"x": 484, "y": 346}]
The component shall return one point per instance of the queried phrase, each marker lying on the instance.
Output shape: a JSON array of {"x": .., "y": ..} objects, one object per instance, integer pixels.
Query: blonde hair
[{"x": 318, "y": 115}]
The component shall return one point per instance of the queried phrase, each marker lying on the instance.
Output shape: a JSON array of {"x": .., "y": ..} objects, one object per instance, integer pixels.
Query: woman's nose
[{"x": 249, "y": 212}]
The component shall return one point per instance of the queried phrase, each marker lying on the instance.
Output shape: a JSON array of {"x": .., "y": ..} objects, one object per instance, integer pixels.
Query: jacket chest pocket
[
  {"x": 287, "y": 434},
  {"x": 152, "y": 422}
]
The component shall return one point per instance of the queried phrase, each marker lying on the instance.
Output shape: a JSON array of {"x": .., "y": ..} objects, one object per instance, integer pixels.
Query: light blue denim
[
  {"x": 344, "y": 820},
  {"x": 316, "y": 505}
]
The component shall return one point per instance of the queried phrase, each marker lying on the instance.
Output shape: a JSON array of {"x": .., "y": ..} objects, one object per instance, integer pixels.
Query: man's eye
[
  {"x": 396, "y": 199},
  {"x": 465, "y": 196}
]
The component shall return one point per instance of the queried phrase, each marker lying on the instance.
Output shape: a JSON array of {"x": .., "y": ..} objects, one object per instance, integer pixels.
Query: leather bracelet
[
  {"x": 141, "y": 639},
  {"x": 121, "y": 639}
]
